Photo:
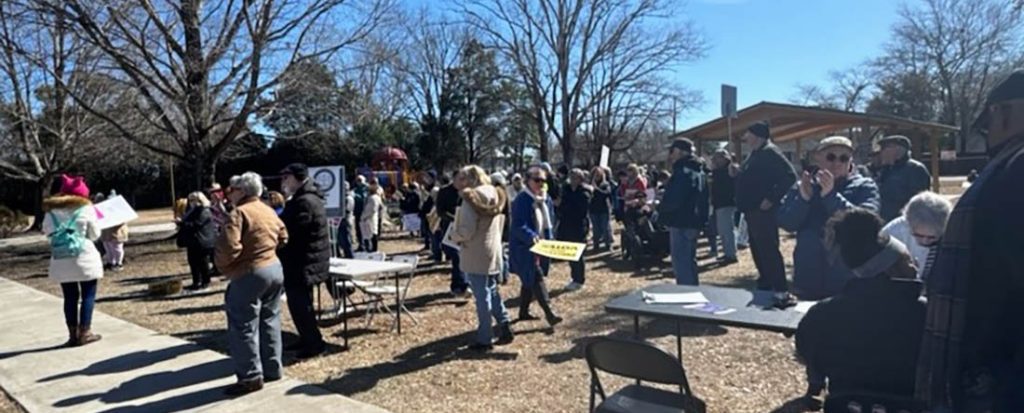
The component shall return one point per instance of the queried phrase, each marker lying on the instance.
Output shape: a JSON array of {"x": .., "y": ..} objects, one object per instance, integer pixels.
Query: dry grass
[{"x": 427, "y": 369}]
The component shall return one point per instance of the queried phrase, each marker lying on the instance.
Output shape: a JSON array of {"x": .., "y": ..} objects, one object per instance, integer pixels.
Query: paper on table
[
  {"x": 710, "y": 308},
  {"x": 803, "y": 306},
  {"x": 675, "y": 298}
]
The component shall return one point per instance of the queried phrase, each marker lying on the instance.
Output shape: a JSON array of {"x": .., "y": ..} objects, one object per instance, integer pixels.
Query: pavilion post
[
  {"x": 936, "y": 182},
  {"x": 799, "y": 150}
]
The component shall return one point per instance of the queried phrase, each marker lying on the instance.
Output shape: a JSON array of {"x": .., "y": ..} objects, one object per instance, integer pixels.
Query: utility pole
[{"x": 174, "y": 196}]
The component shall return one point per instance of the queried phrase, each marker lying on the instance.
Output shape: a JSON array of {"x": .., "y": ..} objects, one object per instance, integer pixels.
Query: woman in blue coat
[
  {"x": 532, "y": 213},
  {"x": 832, "y": 186}
]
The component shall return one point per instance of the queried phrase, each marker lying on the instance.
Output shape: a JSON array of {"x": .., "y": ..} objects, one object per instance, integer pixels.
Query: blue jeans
[
  {"x": 488, "y": 304},
  {"x": 252, "y": 302},
  {"x": 726, "y": 225},
  {"x": 602, "y": 225},
  {"x": 684, "y": 255},
  {"x": 435, "y": 245},
  {"x": 73, "y": 291}
]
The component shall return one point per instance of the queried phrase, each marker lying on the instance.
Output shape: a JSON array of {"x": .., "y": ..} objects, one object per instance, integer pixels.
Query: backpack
[{"x": 66, "y": 241}]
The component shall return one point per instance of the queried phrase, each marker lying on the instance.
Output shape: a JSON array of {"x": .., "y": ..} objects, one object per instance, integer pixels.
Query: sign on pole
[
  {"x": 330, "y": 179},
  {"x": 605, "y": 154},
  {"x": 728, "y": 101}
]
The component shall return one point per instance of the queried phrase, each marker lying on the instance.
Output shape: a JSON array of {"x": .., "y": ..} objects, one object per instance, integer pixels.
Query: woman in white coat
[
  {"x": 369, "y": 221},
  {"x": 72, "y": 226}
]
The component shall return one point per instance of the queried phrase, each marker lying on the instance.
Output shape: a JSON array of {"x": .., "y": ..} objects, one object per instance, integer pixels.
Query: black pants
[
  {"x": 764, "y": 245},
  {"x": 538, "y": 290},
  {"x": 199, "y": 263},
  {"x": 577, "y": 269},
  {"x": 300, "y": 304}
]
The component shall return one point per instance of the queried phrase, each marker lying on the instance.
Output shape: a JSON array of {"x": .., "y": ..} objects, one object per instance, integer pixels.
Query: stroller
[{"x": 644, "y": 241}]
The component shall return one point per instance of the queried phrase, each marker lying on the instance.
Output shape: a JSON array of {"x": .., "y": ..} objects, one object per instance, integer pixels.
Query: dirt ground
[{"x": 427, "y": 368}]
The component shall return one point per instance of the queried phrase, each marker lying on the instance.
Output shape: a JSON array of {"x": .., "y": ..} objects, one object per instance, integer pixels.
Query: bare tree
[
  {"x": 557, "y": 47},
  {"x": 964, "y": 45},
  {"x": 42, "y": 130},
  {"x": 199, "y": 67},
  {"x": 848, "y": 90}
]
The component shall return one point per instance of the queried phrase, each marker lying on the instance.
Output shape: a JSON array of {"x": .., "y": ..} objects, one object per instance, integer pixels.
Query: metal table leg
[
  {"x": 344, "y": 312},
  {"x": 679, "y": 340},
  {"x": 319, "y": 304},
  {"x": 636, "y": 327},
  {"x": 398, "y": 303}
]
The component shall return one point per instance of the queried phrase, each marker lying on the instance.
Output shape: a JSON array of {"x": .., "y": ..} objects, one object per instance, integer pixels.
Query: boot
[
  {"x": 85, "y": 336},
  {"x": 72, "y": 337},
  {"x": 505, "y": 335}
]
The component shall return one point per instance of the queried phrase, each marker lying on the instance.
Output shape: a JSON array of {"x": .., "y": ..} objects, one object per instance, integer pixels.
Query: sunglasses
[
  {"x": 844, "y": 158},
  {"x": 537, "y": 180}
]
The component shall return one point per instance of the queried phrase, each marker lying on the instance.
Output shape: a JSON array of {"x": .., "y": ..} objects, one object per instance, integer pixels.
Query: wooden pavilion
[{"x": 794, "y": 123}]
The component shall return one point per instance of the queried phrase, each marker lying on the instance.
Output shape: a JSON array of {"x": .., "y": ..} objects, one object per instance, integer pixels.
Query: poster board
[
  {"x": 114, "y": 211},
  {"x": 605, "y": 154},
  {"x": 559, "y": 250},
  {"x": 330, "y": 180}
]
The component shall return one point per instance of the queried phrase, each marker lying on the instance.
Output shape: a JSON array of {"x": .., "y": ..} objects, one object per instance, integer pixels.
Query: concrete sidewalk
[{"x": 131, "y": 370}]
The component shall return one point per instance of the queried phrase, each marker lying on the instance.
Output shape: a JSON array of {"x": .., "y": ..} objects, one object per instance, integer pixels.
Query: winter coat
[
  {"x": 410, "y": 203},
  {"x": 525, "y": 228},
  {"x": 447, "y": 201},
  {"x": 197, "y": 229},
  {"x": 573, "y": 213},
  {"x": 88, "y": 265},
  {"x": 477, "y": 229},
  {"x": 601, "y": 203},
  {"x": 685, "y": 204},
  {"x": 369, "y": 221},
  {"x": 359, "y": 199},
  {"x": 898, "y": 183},
  {"x": 818, "y": 271},
  {"x": 249, "y": 239},
  {"x": 117, "y": 233},
  {"x": 305, "y": 259},
  {"x": 766, "y": 174},
  {"x": 867, "y": 337},
  {"x": 723, "y": 188}
]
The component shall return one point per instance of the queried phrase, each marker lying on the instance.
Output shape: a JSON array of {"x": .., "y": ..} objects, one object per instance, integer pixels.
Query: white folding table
[{"x": 345, "y": 270}]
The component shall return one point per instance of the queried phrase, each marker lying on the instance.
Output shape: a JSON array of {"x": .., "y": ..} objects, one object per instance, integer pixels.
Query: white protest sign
[
  {"x": 329, "y": 179},
  {"x": 605, "y": 154},
  {"x": 114, "y": 211}
]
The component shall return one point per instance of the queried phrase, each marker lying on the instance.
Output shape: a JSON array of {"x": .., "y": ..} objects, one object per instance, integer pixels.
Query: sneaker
[
  {"x": 784, "y": 300},
  {"x": 244, "y": 387},
  {"x": 573, "y": 286}
]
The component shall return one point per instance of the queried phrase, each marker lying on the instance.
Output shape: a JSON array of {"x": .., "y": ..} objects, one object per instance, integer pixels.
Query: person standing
[
  {"x": 723, "y": 199},
  {"x": 477, "y": 229},
  {"x": 246, "y": 253},
  {"x": 72, "y": 227},
  {"x": 113, "y": 244},
  {"x": 834, "y": 186},
  {"x": 531, "y": 223},
  {"x": 684, "y": 209},
  {"x": 763, "y": 180},
  {"x": 972, "y": 354},
  {"x": 901, "y": 176},
  {"x": 344, "y": 235},
  {"x": 498, "y": 180},
  {"x": 574, "y": 223},
  {"x": 601, "y": 208},
  {"x": 197, "y": 234},
  {"x": 516, "y": 186},
  {"x": 305, "y": 258},
  {"x": 358, "y": 205},
  {"x": 369, "y": 221},
  {"x": 447, "y": 203}
]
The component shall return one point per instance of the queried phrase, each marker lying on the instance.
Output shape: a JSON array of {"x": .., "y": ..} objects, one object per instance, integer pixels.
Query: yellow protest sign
[{"x": 559, "y": 250}]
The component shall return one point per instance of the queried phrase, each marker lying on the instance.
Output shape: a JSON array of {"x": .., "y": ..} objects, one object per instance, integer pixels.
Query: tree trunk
[{"x": 43, "y": 191}]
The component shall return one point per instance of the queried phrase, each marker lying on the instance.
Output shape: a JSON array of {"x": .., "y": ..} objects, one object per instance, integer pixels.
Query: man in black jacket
[
  {"x": 448, "y": 201},
  {"x": 574, "y": 222},
  {"x": 684, "y": 209},
  {"x": 764, "y": 179},
  {"x": 901, "y": 176},
  {"x": 305, "y": 258}
]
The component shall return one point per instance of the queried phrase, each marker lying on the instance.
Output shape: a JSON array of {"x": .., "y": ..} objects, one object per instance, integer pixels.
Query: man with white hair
[{"x": 920, "y": 227}]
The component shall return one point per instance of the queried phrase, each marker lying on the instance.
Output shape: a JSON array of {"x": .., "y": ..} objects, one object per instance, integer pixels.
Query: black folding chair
[
  {"x": 643, "y": 362},
  {"x": 868, "y": 402}
]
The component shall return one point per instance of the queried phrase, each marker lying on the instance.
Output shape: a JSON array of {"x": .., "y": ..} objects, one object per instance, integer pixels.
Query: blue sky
[{"x": 766, "y": 47}]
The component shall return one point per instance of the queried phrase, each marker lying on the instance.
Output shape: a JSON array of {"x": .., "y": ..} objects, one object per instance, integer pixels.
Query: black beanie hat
[{"x": 761, "y": 129}]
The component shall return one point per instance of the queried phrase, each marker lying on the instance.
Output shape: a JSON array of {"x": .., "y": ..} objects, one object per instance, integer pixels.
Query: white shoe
[{"x": 573, "y": 286}]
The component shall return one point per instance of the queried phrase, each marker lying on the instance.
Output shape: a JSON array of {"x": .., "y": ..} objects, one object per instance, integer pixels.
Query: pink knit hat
[{"x": 73, "y": 185}]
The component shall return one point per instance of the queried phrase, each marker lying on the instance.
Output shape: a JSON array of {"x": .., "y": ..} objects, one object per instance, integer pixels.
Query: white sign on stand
[
  {"x": 605, "y": 154},
  {"x": 330, "y": 180},
  {"x": 114, "y": 211}
]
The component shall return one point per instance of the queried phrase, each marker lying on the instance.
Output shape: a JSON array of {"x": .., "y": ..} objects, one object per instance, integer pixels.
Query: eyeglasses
[
  {"x": 537, "y": 180},
  {"x": 844, "y": 158}
]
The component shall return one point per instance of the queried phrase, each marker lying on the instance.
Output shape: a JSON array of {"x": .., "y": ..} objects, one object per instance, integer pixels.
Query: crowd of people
[{"x": 871, "y": 243}]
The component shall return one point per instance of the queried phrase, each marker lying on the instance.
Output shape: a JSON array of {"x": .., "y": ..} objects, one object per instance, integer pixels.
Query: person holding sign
[
  {"x": 72, "y": 226},
  {"x": 532, "y": 222},
  {"x": 477, "y": 230}
]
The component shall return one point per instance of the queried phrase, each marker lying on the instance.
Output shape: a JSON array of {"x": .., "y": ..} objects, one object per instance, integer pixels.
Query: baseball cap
[
  {"x": 897, "y": 139},
  {"x": 298, "y": 170},
  {"x": 761, "y": 129},
  {"x": 683, "y": 144},
  {"x": 1011, "y": 88},
  {"x": 835, "y": 141}
]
